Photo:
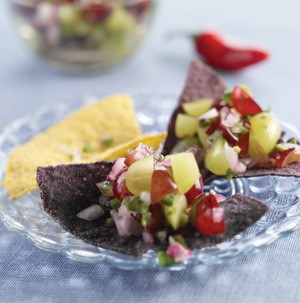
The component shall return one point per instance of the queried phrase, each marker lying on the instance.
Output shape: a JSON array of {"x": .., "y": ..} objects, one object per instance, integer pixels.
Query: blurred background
[{"x": 160, "y": 64}]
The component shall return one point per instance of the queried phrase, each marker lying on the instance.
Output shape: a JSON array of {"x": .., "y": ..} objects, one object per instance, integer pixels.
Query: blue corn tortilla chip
[
  {"x": 68, "y": 189},
  {"x": 292, "y": 170},
  {"x": 202, "y": 82}
]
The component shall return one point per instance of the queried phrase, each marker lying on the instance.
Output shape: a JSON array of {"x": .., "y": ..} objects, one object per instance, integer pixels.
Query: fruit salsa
[
  {"x": 83, "y": 32},
  {"x": 154, "y": 196},
  {"x": 144, "y": 201},
  {"x": 233, "y": 134}
]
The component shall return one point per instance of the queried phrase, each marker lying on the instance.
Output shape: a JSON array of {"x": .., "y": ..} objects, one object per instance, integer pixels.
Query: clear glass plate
[{"x": 26, "y": 216}]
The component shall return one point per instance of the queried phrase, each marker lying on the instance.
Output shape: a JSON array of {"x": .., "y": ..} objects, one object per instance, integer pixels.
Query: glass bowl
[
  {"x": 83, "y": 35},
  {"x": 27, "y": 217}
]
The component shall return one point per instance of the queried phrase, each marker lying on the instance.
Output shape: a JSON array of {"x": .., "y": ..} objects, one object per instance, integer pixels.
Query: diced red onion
[
  {"x": 165, "y": 164},
  {"x": 228, "y": 117},
  {"x": 245, "y": 161},
  {"x": 212, "y": 113},
  {"x": 125, "y": 222},
  {"x": 233, "y": 159},
  {"x": 116, "y": 169},
  {"x": 147, "y": 237},
  {"x": 143, "y": 151},
  {"x": 91, "y": 213},
  {"x": 178, "y": 252}
]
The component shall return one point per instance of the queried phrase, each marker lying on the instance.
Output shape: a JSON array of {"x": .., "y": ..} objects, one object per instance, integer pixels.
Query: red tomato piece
[
  {"x": 195, "y": 191},
  {"x": 243, "y": 102},
  {"x": 162, "y": 184},
  {"x": 243, "y": 144},
  {"x": 97, "y": 12},
  {"x": 210, "y": 216},
  {"x": 280, "y": 156}
]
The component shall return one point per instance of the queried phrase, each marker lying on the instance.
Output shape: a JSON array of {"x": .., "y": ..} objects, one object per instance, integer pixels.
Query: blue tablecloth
[{"x": 28, "y": 274}]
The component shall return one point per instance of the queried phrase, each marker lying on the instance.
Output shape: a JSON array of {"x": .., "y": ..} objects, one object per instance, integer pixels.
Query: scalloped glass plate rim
[{"x": 84, "y": 252}]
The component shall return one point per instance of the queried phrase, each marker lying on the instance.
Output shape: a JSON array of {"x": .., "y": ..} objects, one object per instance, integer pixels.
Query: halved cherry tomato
[{"x": 210, "y": 216}]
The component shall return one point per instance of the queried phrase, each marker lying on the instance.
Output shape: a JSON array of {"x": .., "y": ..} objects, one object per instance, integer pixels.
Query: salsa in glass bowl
[{"x": 83, "y": 35}]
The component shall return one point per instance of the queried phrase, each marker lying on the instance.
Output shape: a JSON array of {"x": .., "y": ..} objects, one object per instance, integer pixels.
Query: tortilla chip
[
  {"x": 202, "y": 82},
  {"x": 290, "y": 170},
  {"x": 66, "y": 141},
  {"x": 121, "y": 150},
  {"x": 68, "y": 189}
]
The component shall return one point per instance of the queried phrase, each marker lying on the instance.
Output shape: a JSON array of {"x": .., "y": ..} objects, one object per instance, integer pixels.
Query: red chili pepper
[{"x": 221, "y": 53}]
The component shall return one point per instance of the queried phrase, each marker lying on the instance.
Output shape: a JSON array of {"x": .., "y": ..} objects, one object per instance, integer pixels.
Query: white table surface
[{"x": 28, "y": 274}]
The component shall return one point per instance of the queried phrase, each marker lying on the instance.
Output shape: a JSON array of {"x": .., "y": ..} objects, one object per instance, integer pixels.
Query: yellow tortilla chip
[
  {"x": 69, "y": 140},
  {"x": 121, "y": 150}
]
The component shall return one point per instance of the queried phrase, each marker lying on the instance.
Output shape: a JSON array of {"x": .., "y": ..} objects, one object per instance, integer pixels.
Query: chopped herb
[
  {"x": 205, "y": 123},
  {"x": 71, "y": 157},
  {"x": 279, "y": 147},
  {"x": 239, "y": 128},
  {"x": 136, "y": 204},
  {"x": 227, "y": 97},
  {"x": 293, "y": 141},
  {"x": 107, "y": 141},
  {"x": 168, "y": 200},
  {"x": 229, "y": 174},
  {"x": 146, "y": 219},
  {"x": 106, "y": 188},
  {"x": 115, "y": 203},
  {"x": 164, "y": 259},
  {"x": 86, "y": 149},
  {"x": 267, "y": 110}
]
